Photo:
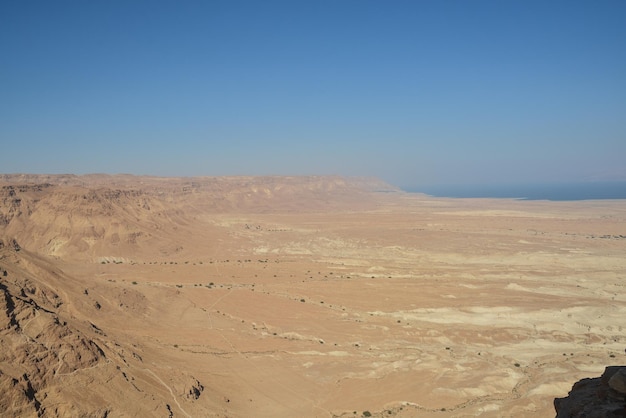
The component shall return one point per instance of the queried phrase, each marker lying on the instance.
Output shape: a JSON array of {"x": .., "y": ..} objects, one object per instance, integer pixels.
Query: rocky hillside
[
  {"x": 57, "y": 358},
  {"x": 101, "y": 215},
  {"x": 41, "y": 350},
  {"x": 57, "y": 362}
]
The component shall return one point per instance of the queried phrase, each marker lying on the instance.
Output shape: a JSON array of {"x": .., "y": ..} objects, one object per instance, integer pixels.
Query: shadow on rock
[{"x": 598, "y": 397}]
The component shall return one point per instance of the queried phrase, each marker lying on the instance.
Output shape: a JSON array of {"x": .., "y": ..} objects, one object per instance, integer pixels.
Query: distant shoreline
[{"x": 615, "y": 190}]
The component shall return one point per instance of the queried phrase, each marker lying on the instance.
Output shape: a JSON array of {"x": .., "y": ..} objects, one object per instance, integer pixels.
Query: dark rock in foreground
[{"x": 599, "y": 397}]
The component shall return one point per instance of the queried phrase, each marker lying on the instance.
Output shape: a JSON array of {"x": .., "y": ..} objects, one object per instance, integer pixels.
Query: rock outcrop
[
  {"x": 38, "y": 346},
  {"x": 600, "y": 397},
  {"x": 55, "y": 362}
]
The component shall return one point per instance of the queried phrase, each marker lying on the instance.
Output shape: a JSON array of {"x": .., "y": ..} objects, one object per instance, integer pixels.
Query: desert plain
[{"x": 133, "y": 296}]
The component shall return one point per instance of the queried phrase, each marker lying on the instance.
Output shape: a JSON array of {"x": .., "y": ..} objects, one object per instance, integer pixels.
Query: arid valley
[{"x": 133, "y": 296}]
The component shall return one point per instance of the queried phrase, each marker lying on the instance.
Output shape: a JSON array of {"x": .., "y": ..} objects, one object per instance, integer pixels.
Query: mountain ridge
[{"x": 59, "y": 215}]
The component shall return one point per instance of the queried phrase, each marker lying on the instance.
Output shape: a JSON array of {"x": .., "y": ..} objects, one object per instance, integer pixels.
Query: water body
[{"x": 556, "y": 192}]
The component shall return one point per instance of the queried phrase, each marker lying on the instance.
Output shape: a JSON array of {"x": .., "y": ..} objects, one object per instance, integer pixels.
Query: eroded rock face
[
  {"x": 74, "y": 216},
  {"x": 37, "y": 346},
  {"x": 599, "y": 397},
  {"x": 617, "y": 382},
  {"x": 55, "y": 362}
]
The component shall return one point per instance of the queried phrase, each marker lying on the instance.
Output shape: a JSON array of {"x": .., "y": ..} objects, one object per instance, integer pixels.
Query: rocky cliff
[
  {"x": 98, "y": 214},
  {"x": 599, "y": 397},
  {"x": 38, "y": 344},
  {"x": 56, "y": 362}
]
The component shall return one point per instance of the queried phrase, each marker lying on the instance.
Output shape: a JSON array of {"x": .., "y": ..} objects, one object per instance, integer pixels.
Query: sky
[{"x": 414, "y": 92}]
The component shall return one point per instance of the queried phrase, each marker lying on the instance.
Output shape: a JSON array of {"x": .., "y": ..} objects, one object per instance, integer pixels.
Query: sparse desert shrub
[
  {"x": 134, "y": 282},
  {"x": 367, "y": 414}
]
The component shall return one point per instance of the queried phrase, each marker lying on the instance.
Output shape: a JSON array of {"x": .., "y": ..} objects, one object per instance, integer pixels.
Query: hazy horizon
[{"x": 415, "y": 93}]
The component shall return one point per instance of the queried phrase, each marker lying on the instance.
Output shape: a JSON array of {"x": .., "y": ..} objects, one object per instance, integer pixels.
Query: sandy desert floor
[{"x": 409, "y": 306}]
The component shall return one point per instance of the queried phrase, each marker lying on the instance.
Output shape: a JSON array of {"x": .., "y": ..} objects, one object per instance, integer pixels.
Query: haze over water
[{"x": 550, "y": 191}]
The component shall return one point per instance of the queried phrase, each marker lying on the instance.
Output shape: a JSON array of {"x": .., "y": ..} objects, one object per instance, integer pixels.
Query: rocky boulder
[{"x": 600, "y": 397}]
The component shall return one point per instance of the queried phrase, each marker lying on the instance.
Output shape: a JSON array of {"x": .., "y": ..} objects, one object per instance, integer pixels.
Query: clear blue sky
[{"x": 414, "y": 92}]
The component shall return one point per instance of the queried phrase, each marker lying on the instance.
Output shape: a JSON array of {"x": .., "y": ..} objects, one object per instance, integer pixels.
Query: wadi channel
[{"x": 129, "y": 296}]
